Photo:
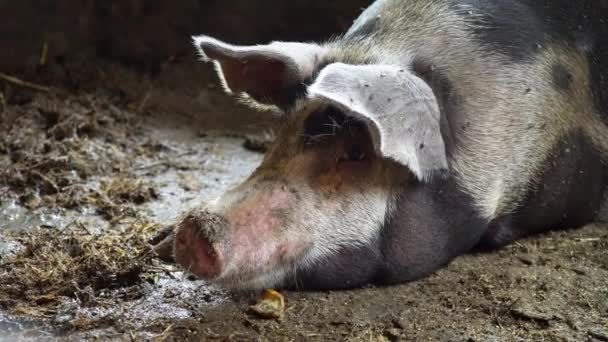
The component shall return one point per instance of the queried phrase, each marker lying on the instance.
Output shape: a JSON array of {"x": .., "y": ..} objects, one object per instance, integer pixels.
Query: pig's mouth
[{"x": 237, "y": 261}]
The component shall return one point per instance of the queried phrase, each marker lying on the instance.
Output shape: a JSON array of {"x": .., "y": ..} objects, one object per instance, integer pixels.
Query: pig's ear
[
  {"x": 400, "y": 108},
  {"x": 270, "y": 74}
]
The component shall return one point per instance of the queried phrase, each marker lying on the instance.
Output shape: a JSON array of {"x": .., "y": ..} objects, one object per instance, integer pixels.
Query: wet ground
[{"x": 88, "y": 177}]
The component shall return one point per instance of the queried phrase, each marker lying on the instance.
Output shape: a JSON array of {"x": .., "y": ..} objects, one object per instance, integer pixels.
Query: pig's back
[{"x": 522, "y": 88}]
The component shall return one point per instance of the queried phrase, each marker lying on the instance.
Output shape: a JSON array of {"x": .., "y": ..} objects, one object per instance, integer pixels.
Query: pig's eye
[
  {"x": 323, "y": 125},
  {"x": 355, "y": 153}
]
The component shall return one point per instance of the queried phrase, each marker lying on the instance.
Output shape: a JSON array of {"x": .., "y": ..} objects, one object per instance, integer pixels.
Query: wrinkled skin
[{"x": 321, "y": 190}]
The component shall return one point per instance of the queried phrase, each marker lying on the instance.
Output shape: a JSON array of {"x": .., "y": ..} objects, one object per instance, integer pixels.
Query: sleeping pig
[{"x": 428, "y": 129}]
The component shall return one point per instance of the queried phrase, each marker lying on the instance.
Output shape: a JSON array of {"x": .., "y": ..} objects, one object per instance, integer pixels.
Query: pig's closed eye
[
  {"x": 323, "y": 126},
  {"x": 354, "y": 153}
]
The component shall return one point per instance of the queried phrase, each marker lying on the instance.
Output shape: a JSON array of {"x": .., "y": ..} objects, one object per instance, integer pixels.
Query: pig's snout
[
  {"x": 245, "y": 241},
  {"x": 196, "y": 244}
]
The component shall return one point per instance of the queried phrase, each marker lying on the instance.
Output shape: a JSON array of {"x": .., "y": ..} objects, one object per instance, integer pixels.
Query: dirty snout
[
  {"x": 197, "y": 239},
  {"x": 240, "y": 240}
]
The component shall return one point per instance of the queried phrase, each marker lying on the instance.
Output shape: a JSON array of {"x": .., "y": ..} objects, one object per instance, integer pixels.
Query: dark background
[
  {"x": 147, "y": 33},
  {"x": 141, "y": 50}
]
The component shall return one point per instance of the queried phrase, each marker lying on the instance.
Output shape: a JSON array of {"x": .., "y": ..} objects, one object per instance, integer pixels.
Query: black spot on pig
[
  {"x": 599, "y": 80},
  {"x": 508, "y": 27},
  {"x": 561, "y": 77},
  {"x": 581, "y": 25},
  {"x": 598, "y": 63},
  {"x": 568, "y": 194},
  {"x": 350, "y": 267},
  {"x": 433, "y": 223},
  {"x": 571, "y": 187},
  {"x": 519, "y": 29}
]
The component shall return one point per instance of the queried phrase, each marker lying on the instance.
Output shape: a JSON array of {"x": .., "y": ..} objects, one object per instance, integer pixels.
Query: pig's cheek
[
  {"x": 258, "y": 224},
  {"x": 287, "y": 250},
  {"x": 261, "y": 211},
  {"x": 344, "y": 173},
  {"x": 329, "y": 182},
  {"x": 354, "y": 171}
]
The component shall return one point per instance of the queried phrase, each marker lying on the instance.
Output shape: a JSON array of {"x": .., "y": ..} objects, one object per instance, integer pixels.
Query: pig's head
[{"x": 351, "y": 135}]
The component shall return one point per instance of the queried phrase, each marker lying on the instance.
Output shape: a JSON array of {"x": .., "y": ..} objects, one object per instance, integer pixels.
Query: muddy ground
[{"x": 89, "y": 173}]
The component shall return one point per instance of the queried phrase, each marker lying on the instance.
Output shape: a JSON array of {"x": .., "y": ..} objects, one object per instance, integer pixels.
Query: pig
[{"x": 430, "y": 129}]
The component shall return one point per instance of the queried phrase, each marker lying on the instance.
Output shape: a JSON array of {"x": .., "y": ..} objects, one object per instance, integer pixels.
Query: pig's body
[
  {"x": 524, "y": 108},
  {"x": 474, "y": 123}
]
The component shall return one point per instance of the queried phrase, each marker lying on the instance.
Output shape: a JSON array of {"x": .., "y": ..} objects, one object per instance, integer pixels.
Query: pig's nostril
[
  {"x": 205, "y": 261},
  {"x": 196, "y": 253}
]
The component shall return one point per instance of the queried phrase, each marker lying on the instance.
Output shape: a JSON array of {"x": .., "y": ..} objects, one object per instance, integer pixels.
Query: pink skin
[
  {"x": 255, "y": 240},
  {"x": 196, "y": 254}
]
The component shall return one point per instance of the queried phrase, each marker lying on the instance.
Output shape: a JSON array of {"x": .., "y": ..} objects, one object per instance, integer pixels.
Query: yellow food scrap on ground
[{"x": 272, "y": 305}]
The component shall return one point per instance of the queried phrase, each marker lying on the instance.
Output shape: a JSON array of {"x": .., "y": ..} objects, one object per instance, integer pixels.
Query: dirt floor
[{"x": 89, "y": 174}]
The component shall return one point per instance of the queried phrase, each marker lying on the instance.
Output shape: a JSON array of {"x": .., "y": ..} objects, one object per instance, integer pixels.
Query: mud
[{"x": 89, "y": 175}]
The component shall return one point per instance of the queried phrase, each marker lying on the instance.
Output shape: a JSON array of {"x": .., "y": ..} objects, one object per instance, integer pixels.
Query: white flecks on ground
[{"x": 186, "y": 173}]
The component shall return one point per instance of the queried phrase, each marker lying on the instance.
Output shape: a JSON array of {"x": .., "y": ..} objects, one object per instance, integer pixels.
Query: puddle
[
  {"x": 14, "y": 217},
  {"x": 12, "y": 329},
  {"x": 205, "y": 168},
  {"x": 184, "y": 174}
]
